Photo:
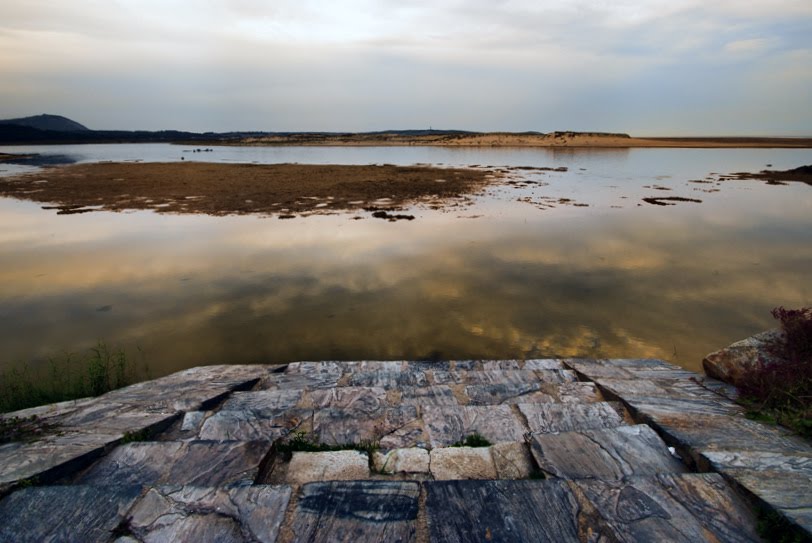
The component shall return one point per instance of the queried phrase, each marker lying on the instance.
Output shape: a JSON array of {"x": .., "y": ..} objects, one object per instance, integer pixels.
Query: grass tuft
[
  {"x": 100, "y": 370},
  {"x": 472, "y": 440},
  {"x": 780, "y": 391}
]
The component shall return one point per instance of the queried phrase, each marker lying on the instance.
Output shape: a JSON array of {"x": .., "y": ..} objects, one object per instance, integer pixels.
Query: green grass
[
  {"x": 70, "y": 377},
  {"x": 302, "y": 442},
  {"x": 473, "y": 440}
]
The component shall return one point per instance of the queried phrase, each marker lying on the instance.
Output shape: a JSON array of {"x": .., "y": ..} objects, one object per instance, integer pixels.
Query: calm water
[{"x": 498, "y": 279}]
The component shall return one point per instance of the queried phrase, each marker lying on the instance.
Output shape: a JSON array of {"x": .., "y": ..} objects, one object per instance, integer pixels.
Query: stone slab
[
  {"x": 457, "y": 463},
  {"x": 503, "y": 393},
  {"x": 448, "y": 425},
  {"x": 788, "y": 492},
  {"x": 544, "y": 364},
  {"x": 51, "y": 459},
  {"x": 233, "y": 425},
  {"x": 388, "y": 379},
  {"x": 269, "y": 403},
  {"x": 310, "y": 467},
  {"x": 366, "y": 400},
  {"x": 604, "y": 454},
  {"x": 578, "y": 393},
  {"x": 700, "y": 433},
  {"x": 685, "y": 508},
  {"x": 798, "y": 463},
  {"x": 428, "y": 395},
  {"x": 182, "y": 513},
  {"x": 411, "y": 460},
  {"x": 488, "y": 377},
  {"x": 65, "y": 513},
  {"x": 556, "y": 417},
  {"x": 504, "y": 511},
  {"x": 355, "y": 512},
  {"x": 348, "y": 426},
  {"x": 199, "y": 463},
  {"x": 512, "y": 460},
  {"x": 658, "y": 397}
]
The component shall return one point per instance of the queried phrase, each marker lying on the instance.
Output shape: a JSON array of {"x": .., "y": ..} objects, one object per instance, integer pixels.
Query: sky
[{"x": 656, "y": 67}]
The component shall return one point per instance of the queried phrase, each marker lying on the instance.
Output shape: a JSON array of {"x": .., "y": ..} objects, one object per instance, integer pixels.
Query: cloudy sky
[{"x": 655, "y": 67}]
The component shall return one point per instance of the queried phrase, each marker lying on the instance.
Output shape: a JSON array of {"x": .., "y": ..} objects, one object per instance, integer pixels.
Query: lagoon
[{"x": 516, "y": 273}]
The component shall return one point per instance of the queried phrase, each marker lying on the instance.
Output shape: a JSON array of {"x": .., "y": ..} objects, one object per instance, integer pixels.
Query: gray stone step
[
  {"x": 446, "y": 425},
  {"x": 604, "y": 454},
  {"x": 675, "y": 508},
  {"x": 356, "y": 512},
  {"x": 65, "y": 513},
  {"x": 567, "y": 417},
  {"x": 198, "y": 463}
]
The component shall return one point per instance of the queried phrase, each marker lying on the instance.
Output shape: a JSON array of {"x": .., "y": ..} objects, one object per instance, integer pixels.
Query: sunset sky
[{"x": 676, "y": 67}]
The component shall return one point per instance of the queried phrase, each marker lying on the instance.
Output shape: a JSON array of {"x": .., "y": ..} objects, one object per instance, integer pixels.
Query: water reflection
[{"x": 189, "y": 290}]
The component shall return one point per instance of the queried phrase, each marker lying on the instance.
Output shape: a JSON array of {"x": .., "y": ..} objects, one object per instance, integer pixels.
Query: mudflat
[{"x": 283, "y": 190}]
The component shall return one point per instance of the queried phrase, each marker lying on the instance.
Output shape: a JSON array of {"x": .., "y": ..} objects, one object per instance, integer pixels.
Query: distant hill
[{"x": 54, "y": 123}]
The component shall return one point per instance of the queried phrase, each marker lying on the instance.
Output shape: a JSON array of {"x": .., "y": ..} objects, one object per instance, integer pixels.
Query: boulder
[{"x": 730, "y": 363}]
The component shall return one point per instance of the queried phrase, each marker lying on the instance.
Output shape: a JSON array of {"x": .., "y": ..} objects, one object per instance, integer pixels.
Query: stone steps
[{"x": 675, "y": 508}]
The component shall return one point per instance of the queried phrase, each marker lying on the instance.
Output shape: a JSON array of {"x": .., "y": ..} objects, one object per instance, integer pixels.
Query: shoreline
[{"x": 500, "y": 139}]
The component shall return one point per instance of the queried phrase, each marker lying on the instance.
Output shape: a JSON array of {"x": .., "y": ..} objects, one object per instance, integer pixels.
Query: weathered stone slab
[
  {"x": 195, "y": 389},
  {"x": 680, "y": 508},
  {"x": 556, "y": 417},
  {"x": 650, "y": 397},
  {"x": 410, "y": 435},
  {"x": 489, "y": 365},
  {"x": 447, "y": 425},
  {"x": 489, "y": 377},
  {"x": 310, "y": 467},
  {"x": 51, "y": 458},
  {"x": 512, "y": 460},
  {"x": 388, "y": 379},
  {"x": 343, "y": 426},
  {"x": 232, "y": 425},
  {"x": 411, "y": 460},
  {"x": 182, "y": 513},
  {"x": 427, "y": 365},
  {"x": 199, "y": 463},
  {"x": 702, "y": 433},
  {"x": 787, "y": 491},
  {"x": 544, "y": 364},
  {"x": 357, "y": 511},
  {"x": 504, "y": 511},
  {"x": 456, "y": 463},
  {"x": 604, "y": 454},
  {"x": 503, "y": 393},
  {"x": 798, "y": 463},
  {"x": 578, "y": 393},
  {"x": 366, "y": 400},
  {"x": 305, "y": 375},
  {"x": 65, "y": 513},
  {"x": 378, "y": 365},
  {"x": 428, "y": 395},
  {"x": 269, "y": 403}
]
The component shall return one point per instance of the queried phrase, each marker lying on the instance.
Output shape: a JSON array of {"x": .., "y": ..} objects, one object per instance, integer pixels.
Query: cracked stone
[{"x": 309, "y": 467}]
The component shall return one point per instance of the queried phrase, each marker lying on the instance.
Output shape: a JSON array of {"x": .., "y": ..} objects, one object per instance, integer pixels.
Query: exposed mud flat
[
  {"x": 283, "y": 190},
  {"x": 802, "y": 174}
]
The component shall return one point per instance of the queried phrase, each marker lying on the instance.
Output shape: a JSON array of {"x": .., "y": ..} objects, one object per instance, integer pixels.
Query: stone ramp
[
  {"x": 695, "y": 415},
  {"x": 680, "y": 508},
  {"x": 206, "y": 450}
]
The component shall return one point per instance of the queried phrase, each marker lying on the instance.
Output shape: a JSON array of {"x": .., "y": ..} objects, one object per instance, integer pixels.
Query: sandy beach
[
  {"x": 283, "y": 190},
  {"x": 519, "y": 139}
]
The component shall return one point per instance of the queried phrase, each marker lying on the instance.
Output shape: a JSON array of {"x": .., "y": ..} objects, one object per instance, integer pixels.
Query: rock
[
  {"x": 411, "y": 460},
  {"x": 446, "y": 425},
  {"x": 65, "y": 513},
  {"x": 200, "y": 463},
  {"x": 566, "y": 417},
  {"x": 730, "y": 363},
  {"x": 179, "y": 513},
  {"x": 607, "y": 454},
  {"x": 503, "y": 511},
  {"x": 512, "y": 460},
  {"x": 455, "y": 463},
  {"x": 309, "y": 467},
  {"x": 356, "y": 512}
]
